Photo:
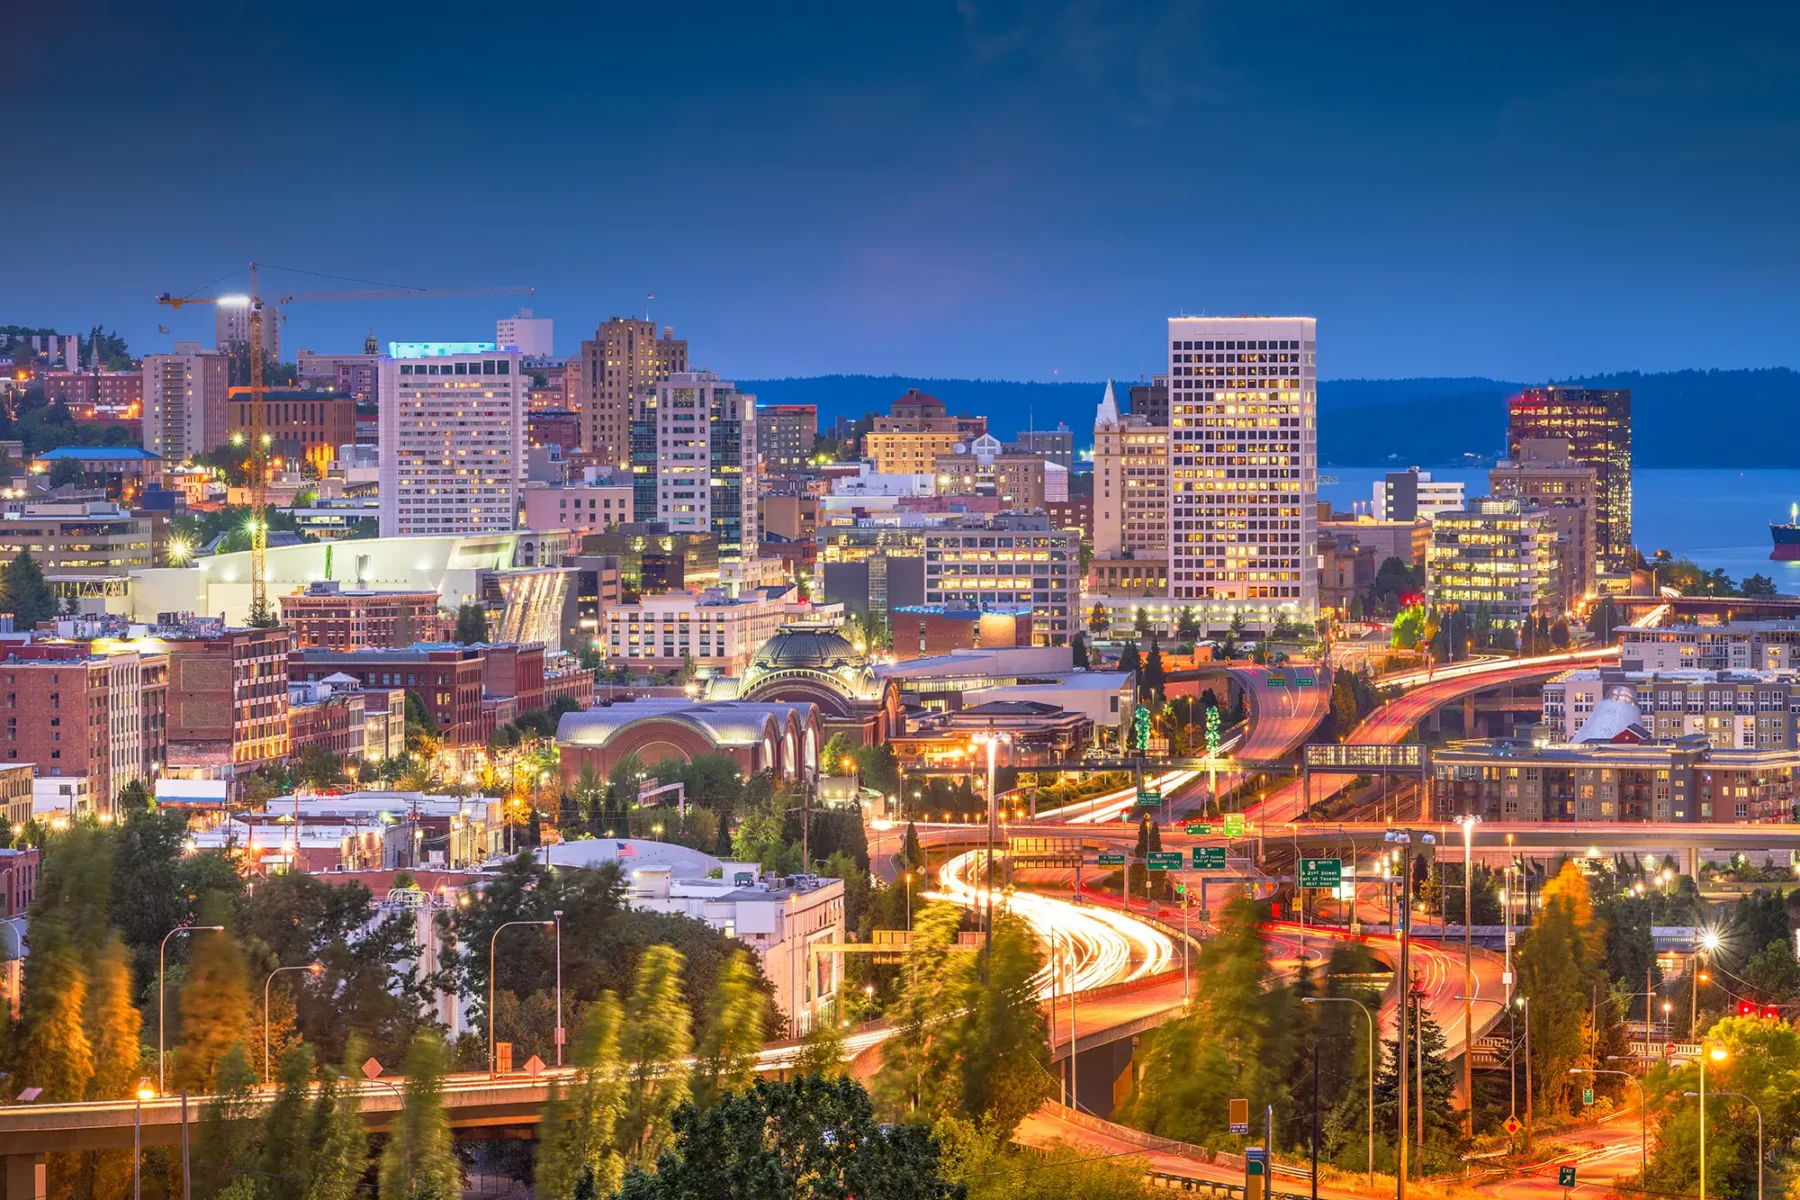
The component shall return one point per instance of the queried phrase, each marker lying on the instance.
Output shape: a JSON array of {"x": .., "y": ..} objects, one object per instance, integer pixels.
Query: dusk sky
[{"x": 956, "y": 188}]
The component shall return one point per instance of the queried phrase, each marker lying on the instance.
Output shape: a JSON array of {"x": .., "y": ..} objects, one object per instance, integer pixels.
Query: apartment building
[
  {"x": 1413, "y": 495},
  {"x": 452, "y": 433},
  {"x": 785, "y": 434},
  {"x": 1497, "y": 553},
  {"x": 698, "y": 436},
  {"x": 1736, "y": 646},
  {"x": 1545, "y": 477},
  {"x": 227, "y": 699},
  {"x": 231, "y": 327},
  {"x": 328, "y": 614},
  {"x": 184, "y": 401},
  {"x": 581, "y": 508},
  {"x": 89, "y": 723},
  {"x": 1732, "y": 710},
  {"x": 715, "y": 630},
  {"x": 446, "y": 679},
  {"x": 623, "y": 363},
  {"x": 1016, "y": 558}
]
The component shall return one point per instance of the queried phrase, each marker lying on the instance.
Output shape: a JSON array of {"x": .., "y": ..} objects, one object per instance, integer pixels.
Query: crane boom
[{"x": 259, "y": 439}]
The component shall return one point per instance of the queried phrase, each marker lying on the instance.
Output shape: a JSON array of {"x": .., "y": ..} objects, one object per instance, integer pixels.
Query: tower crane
[{"x": 259, "y": 438}]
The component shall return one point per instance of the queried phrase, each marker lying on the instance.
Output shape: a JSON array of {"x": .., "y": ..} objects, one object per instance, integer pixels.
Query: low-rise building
[
  {"x": 1497, "y": 553},
  {"x": 1741, "y": 710},
  {"x": 331, "y": 615},
  {"x": 1130, "y": 576},
  {"x": 446, "y": 679},
  {"x": 578, "y": 507},
  {"x": 1039, "y": 734},
  {"x": 1734, "y": 646},
  {"x": 228, "y": 700},
  {"x": 78, "y": 542},
  {"x": 714, "y": 631},
  {"x": 1405, "y": 540},
  {"x": 924, "y": 630}
]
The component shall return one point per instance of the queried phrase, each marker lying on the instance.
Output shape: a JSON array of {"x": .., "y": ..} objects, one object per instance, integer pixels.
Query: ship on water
[{"x": 1786, "y": 537}]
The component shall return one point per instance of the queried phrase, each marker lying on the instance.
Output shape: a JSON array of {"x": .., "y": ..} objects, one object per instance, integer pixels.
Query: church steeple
[{"x": 1108, "y": 413}]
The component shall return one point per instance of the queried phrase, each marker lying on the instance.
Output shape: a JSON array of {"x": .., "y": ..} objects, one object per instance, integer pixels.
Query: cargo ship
[{"x": 1786, "y": 537}]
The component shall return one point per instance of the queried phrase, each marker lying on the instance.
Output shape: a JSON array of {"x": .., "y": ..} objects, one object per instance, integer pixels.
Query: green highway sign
[
  {"x": 1209, "y": 858},
  {"x": 1565, "y": 1177},
  {"x": 1149, "y": 799},
  {"x": 1234, "y": 825},
  {"x": 1301, "y": 680},
  {"x": 1197, "y": 829},
  {"x": 1112, "y": 860},
  {"x": 1321, "y": 872},
  {"x": 1277, "y": 680},
  {"x": 1165, "y": 860},
  {"x": 1587, "y": 1095}
]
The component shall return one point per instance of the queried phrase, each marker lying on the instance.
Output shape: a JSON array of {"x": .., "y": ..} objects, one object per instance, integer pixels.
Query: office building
[
  {"x": 871, "y": 568},
  {"x": 1544, "y": 476},
  {"x": 1413, "y": 495},
  {"x": 1596, "y": 423},
  {"x": 623, "y": 363},
  {"x": 1052, "y": 445},
  {"x": 184, "y": 401},
  {"x": 77, "y": 542},
  {"x": 329, "y": 614},
  {"x": 1404, "y": 540},
  {"x": 302, "y": 426},
  {"x": 1131, "y": 484},
  {"x": 1243, "y": 462},
  {"x": 702, "y": 432},
  {"x": 785, "y": 434},
  {"x": 89, "y": 722},
  {"x": 452, "y": 439},
  {"x": 531, "y": 336},
  {"x": 1497, "y": 553},
  {"x": 716, "y": 631},
  {"x": 1014, "y": 559},
  {"x": 231, "y": 327},
  {"x": 916, "y": 432},
  {"x": 355, "y": 375},
  {"x": 580, "y": 508},
  {"x": 1150, "y": 400},
  {"x": 654, "y": 558},
  {"x": 1732, "y": 710},
  {"x": 1736, "y": 646},
  {"x": 227, "y": 699}
]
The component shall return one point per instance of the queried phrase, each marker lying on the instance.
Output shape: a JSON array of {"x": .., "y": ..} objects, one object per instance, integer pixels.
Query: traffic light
[
  {"x": 1746, "y": 1009},
  {"x": 1771, "y": 1012}
]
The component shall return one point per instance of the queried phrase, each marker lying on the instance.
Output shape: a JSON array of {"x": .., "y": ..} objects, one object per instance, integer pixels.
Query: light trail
[
  {"x": 1108, "y": 807},
  {"x": 1109, "y": 947}
]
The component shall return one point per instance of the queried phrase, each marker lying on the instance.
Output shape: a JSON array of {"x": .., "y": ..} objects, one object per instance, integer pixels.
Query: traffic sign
[
  {"x": 1234, "y": 825},
  {"x": 1565, "y": 1176},
  {"x": 1587, "y": 1095},
  {"x": 1321, "y": 872},
  {"x": 1512, "y": 1126},
  {"x": 1112, "y": 860},
  {"x": 1165, "y": 860},
  {"x": 1301, "y": 680},
  {"x": 1149, "y": 799},
  {"x": 1209, "y": 858},
  {"x": 1277, "y": 680},
  {"x": 1668, "y": 1049},
  {"x": 1199, "y": 829},
  {"x": 1239, "y": 1116}
]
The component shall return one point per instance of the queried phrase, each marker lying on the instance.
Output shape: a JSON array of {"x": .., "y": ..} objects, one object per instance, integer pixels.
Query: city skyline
[{"x": 970, "y": 191}]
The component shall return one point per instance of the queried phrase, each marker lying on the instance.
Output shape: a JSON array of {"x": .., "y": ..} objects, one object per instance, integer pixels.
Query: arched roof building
[
  {"x": 776, "y": 736},
  {"x": 817, "y": 665}
]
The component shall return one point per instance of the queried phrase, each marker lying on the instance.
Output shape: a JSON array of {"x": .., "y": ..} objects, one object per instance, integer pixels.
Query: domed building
[{"x": 817, "y": 665}]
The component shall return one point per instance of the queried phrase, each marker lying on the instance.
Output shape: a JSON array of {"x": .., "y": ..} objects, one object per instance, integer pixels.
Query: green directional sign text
[
  {"x": 1112, "y": 860},
  {"x": 1197, "y": 829},
  {"x": 1565, "y": 1177},
  {"x": 1165, "y": 860},
  {"x": 1234, "y": 825},
  {"x": 1209, "y": 858},
  {"x": 1587, "y": 1095},
  {"x": 1149, "y": 799},
  {"x": 1321, "y": 872}
]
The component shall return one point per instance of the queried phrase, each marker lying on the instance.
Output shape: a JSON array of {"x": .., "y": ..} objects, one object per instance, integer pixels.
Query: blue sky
[{"x": 1002, "y": 190}]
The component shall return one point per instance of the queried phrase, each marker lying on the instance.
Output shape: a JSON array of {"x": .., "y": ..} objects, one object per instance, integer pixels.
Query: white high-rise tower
[{"x": 1243, "y": 464}]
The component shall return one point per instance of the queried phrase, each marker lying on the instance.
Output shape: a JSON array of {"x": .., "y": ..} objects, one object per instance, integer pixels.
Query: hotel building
[
  {"x": 696, "y": 439},
  {"x": 452, "y": 433}
]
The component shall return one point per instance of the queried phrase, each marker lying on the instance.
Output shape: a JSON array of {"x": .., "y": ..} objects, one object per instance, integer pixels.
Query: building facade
[
  {"x": 228, "y": 699},
  {"x": 1131, "y": 485},
  {"x": 580, "y": 508},
  {"x": 80, "y": 541},
  {"x": 529, "y": 335},
  {"x": 1498, "y": 553},
  {"x": 1737, "y": 646},
  {"x": 1413, "y": 495},
  {"x": 623, "y": 363},
  {"x": 301, "y": 426},
  {"x": 1545, "y": 477},
  {"x": 184, "y": 401},
  {"x": 452, "y": 440},
  {"x": 718, "y": 633},
  {"x": 231, "y": 327},
  {"x": 1596, "y": 423},
  {"x": 704, "y": 458},
  {"x": 785, "y": 434},
  {"x": 1732, "y": 710},
  {"x": 1013, "y": 560},
  {"x": 328, "y": 614},
  {"x": 1243, "y": 472}
]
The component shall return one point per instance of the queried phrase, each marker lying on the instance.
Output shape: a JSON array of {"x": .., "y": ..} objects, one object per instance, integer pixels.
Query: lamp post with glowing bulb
[
  {"x": 144, "y": 1092},
  {"x": 1371, "y": 1019},
  {"x": 1468, "y": 830},
  {"x": 992, "y": 741},
  {"x": 161, "y": 963},
  {"x": 1643, "y": 1113},
  {"x": 1709, "y": 942},
  {"x": 1717, "y": 1053},
  {"x": 1759, "y": 1137},
  {"x": 312, "y": 968},
  {"x": 493, "y": 1056}
]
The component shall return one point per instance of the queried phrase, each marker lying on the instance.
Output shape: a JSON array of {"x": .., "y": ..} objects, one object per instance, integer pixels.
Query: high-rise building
[
  {"x": 785, "y": 434},
  {"x": 231, "y": 325},
  {"x": 1243, "y": 397},
  {"x": 184, "y": 401},
  {"x": 452, "y": 434},
  {"x": 1596, "y": 422},
  {"x": 1131, "y": 484},
  {"x": 1544, "y": 476},
  {"x": 1151, "y": 400},
  {"x": 623, "y": 363},
  {"x": 1411, "y": 494},
  {"x": 701, "y": 434},
  {"x": 1052, "y": 445},
  {"x": 1501, "y": 555},
  {"x": 529, "y": 335},
  {"x": 1013, "y": 559}
]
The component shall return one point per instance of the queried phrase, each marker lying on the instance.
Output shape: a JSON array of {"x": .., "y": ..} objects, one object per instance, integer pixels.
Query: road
[{"x": 1281, "y": 718}]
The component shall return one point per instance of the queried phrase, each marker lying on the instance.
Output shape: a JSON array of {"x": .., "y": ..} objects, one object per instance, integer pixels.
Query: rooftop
[{"x": 92, "y": 453}]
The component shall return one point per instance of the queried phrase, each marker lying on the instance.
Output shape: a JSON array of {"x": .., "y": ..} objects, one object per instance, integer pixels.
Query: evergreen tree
[
  {"x": 1006, "y": 1055},
  {"x": 1424, "y": 1054},
  {"x": 471, "y": 624},
  {"x": 340, "y": 1143},
  {"x": 55, "y": 1051},
  {"x": 1129, "y": 660},
  {"x": 725, "y": 1061},
  {"x": 25, "y": 593},
  {"x": 1078, "y": 649},
  {"x": 1560, "y": 962},
  {"x": 227, "y": 1151},
  {"x": 1154, "y": 675},
  {"x": 115, "y": 1028},
  {"x": 215, "y": 1001},
  {"x": 919, "y": 1075},
  {"x": 418, "y": 1162},
  {"x": 1099, "y": 620},
  {"x": 288, "y": 1133},
  {"x": 914, "y": 854},
  {"x": 1344, "y": 714},
  {"x": 655, "y": 1041},
  {"x": 576, "y": 1156}
]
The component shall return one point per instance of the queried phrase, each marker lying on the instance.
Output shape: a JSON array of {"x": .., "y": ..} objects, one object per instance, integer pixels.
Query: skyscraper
[
  {"x": 623, "y": 363},
  {"x": 1243, "y": 462},
  {"x": 452, "y": 432},
  {"x": 184, "y": 401},
  {"x": 1131, "y": 484},
  {"x": 231, "y": 325},
  {"x": 1596, "y": 422},
  {"x": 701, "y": 449}
]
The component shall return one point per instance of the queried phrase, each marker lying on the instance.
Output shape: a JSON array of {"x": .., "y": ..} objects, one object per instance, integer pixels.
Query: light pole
[
  {"x": 1643, "y": 1114},
  {"x": 1403, "y": 916},
  {"x": 1468, "y": 822},
  {"x": 493, "y": 1058},
  {"x": 161, "y": 963},
  {"x": 1759, "y": 1135},
  {"x": 556, "y": 914},
  {"x": 1369, "y": 1017},
  {"x": 1709, "y": 941},
  {"x": 312, "y": 968},
  {"x": 992, "y": 741},
  {"x": 1717, "y": 1053},
  {"x": 144, "y": 1092}
]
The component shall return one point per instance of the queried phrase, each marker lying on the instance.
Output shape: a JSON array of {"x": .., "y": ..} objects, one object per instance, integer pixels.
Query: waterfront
[{"x": 1716, "y": 517}]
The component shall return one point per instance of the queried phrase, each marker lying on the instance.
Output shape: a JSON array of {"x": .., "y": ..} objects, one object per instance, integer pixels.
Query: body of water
[{"x": 1716, "y": 517}]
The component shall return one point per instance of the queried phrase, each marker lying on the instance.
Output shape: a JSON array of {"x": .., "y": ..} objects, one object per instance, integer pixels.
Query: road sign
[
  {"x": 1112, "y": 860},
  {"x": 1150, "y": 798},
  {"x": 1165, "y": 860},
  {"x": 1512, "y": 1126},
  {"x": 1668, "y": 1049},
  {"x": 1198, "y": 829},
  {"x": 1277, "y": 680},
  {"x": 1321, "y": 872},
  {"x": 1209, "y": 858},
  {"x": 1301, "y": 680},
  {"x": 1565, "y": 1177},
  {"x": 1587, "y": 1095},
  {"x": 1240, "y": 1116},
  {"x": 1234, "y": 825}
]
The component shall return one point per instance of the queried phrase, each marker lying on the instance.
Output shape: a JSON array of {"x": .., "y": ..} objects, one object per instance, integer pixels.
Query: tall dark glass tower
[{"x": 1596, "y": 422}]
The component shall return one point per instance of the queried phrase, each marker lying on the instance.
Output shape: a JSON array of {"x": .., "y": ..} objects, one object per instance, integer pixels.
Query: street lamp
[
  {"x": 1371, "y": 1020},
  {"x": 1643, "y": 1114},
  {"x": 312, "y": 968},
  {"x": 161, "y": 962},
  {"x": 561, "y": 1037},
  {"x": 144, "y": 1092},
  {"x": 1759, "y": 1137},
  {"x": 992, "y": 741},
  {"x": 1717, "y": 1053},
  {"x": 493, "y": 1058},
  {"x": 1468, "y": 823},
  {"x": 1404, "y": 837}
]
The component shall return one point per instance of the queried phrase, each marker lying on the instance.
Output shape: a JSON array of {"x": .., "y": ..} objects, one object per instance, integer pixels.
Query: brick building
[
  {"x": 302, "y": 425},
  {"x": 328, "y": 615},
  {"x": 318, "y": 715},
  {"x": 228, "y": 699},
  {"x": 446, "y": 679},
  {"x": 88, "y": 392}
]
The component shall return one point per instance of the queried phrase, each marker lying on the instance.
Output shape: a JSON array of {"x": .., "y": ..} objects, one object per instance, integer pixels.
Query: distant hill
[{"x": 1715, "y": 418}]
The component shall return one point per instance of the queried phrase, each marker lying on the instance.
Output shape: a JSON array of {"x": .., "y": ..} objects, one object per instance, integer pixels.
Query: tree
[
  {"x": 55, "y": 1052},
  {"x": 576, "y": 1156},
  {"x": 25, "y": 593},
  {"x": 1140, "y": 621},
  {"x": 1154, "y": 675},
  {"x": 913, "y": 853},
  {"x": 1079, "y": 650},
  {"x": 215, "y": 1001},
  {"x": 1187, "y": 624},
  {"x": 725, "y": 1059},
  {"x": 1560, "y": 964},
  {"x": 1344, "y": 714},
  {"x": 655, "y": 1041},
  {"x": 288, "y": 1134},
  {"x": 1099, "y": 620},
  {"x": 115, "y": 1027},
  {"x": 418, "y": 1162},
  {"x": 822, "y": 1053},
  {"x": 471, "y": 624},
  {"x": 1758, "y": 585},
  {"x": 1443, "y": 1124},
  {"x": 227, "y": 1148},
  {"x": 1006, "y": 1059},
  {"x": 6, "y": 467},
  {"x": 812, "y": 1139},
  {"x": 1129, "y": 661},
  {"x": 67, "y": 472}
]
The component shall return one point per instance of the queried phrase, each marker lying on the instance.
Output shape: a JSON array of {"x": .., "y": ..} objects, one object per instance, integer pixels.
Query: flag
[{"x": 626, "y": 850}]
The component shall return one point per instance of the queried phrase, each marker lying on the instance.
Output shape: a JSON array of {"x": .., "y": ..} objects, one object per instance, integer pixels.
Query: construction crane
[{"x": 259, "y": 438}]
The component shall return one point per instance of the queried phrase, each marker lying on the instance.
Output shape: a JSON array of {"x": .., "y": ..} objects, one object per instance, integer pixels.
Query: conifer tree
[
  {"x": 655, "y": 1041},
  {"x": 418, "y": 1162},
  {"x": 732, "y": 1034},
  {"x": 918, "y": 1076},
  {"x": 215, "y": 1001},
  {"x": 115, "y": 1028},
  {"x": 25, "y": 593},
  {"x": 55, "y": 1051},
  {"x": 287, "y": 1132},
  {"x": 340, "y": 1143},
  {"x": 914, "y": 855},
  {"x": 576, "y": 1154},
  {"x": 227, "y": 1143}
]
